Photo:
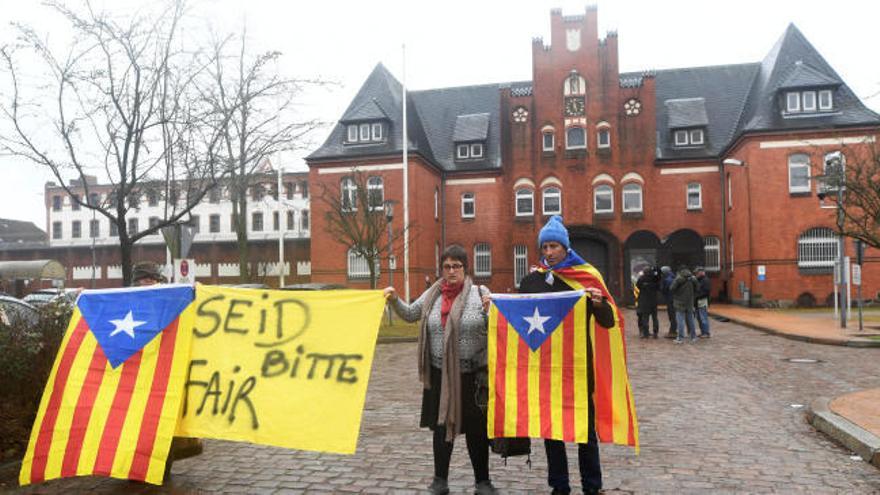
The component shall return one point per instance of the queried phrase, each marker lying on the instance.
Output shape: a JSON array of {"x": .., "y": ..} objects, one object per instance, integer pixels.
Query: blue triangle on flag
[
  {"x": 536, "y": 317},
  {"x": 123, "y": 321}
]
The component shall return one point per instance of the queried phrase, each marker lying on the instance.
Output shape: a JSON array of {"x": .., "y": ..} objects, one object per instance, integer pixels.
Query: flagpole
[{"x": 405, "y": 187}]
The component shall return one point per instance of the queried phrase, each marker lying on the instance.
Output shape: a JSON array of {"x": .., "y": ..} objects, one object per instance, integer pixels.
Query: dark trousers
[
  {"x": 588, "y": 464},
  {"x": 643, "y": 322},
  {"x": 473, "y": 426},
  {"x": 670, "y": 311},
  {"x": 478, "y": 450}
]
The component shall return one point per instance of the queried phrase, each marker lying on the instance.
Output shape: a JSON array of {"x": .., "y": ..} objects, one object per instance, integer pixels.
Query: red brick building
[{"x": 711, "y": 166}]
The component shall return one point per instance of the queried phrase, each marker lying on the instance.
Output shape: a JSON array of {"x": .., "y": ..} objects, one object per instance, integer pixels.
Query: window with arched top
[
  {"x": 834, "y": 173},
  {"x": 799, "y": 173},
  {"x": 376, "y": 193},
  {"x": 632, "y": 198},
  {"x": 525, "y": 202},
  {"x": 551, "y": 201},
  {"x": 349, "y": 194},
  {"x": 712, "y": 253},
  {"x": 575, "y": 138},
  {"x": 603, "y": 135},
  {"x": 575, "y": 84},
  {"x": 603, "y": 199},
  {"x": 548, "y": 140}
]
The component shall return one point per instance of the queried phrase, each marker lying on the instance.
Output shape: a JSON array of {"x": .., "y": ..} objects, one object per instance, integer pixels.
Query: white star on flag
[
  {"x": 536, "y": 322},
  {"x": 126, "y": 325}
]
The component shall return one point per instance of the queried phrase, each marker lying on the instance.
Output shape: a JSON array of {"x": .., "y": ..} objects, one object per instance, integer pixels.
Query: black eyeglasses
[{"x": 454, "y": 266}]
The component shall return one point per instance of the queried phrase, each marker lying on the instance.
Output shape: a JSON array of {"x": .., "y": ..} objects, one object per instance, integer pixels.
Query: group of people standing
[
  {"x": 452, "y": 351},
  {"x": 686, "y": 295}
]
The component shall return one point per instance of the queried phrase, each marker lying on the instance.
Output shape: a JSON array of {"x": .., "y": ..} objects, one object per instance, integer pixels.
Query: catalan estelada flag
[
  {"x": 616, "y": 420},
  {"x": 113, "y": 397},
  {"x": 538, "y": 366}
]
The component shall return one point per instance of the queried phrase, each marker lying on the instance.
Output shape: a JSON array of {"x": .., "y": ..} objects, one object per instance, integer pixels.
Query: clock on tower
[{"x": 574, "y": 106}]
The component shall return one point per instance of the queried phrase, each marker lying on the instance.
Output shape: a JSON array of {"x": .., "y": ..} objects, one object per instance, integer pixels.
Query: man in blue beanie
[{"x": 557, "y": 255}]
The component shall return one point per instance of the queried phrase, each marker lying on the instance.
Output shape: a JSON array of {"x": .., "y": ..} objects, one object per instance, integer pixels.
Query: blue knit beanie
[{"x": 554, "y": 230}]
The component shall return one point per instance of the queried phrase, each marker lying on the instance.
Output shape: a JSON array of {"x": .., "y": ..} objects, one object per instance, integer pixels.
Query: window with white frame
[
  {"x": 349, "y": 194},
  {"x": 825, "y": 101},
  {"x": 358, "y": 268},
  {"x": 809, "y": 101},
  {"x": 482, "y": 260},
  {"x": 57, "y": 230},
  {"x": 76, "y": 229},
  {"x": 834, "y": 172},
  {"x": 575, "y": 138},
  {"x": 462, "y": 151},
  {"x": 551, "y": 201},
  {"x": 689, "y": 137},
  {"x": 730, "y": 251},
  {"x": 817, "y": 248},
  {"x": 375, "y": 193},
  {"x": 476, "y": 150},
  {"x": 712, "y": 253},
  {"x": 257, "y": 221},
  {"x": 525, "y": 202},
  {"x": 603, "y": 138},
  {"x": 468, "y": 205},
  {"x": 520, "y": 263},
  {"x": 214, "y": 224},
  {"x": 365, "y": 132},
  {"x": 603, "y": 199},
  {"x": 436, "y": 204},
  {"x": 304, "y": 220},
  {"x": 132, "y": 226},
  {"x": 729, "y": 192},
  {"x": 548, "y": 140},
  {"x": 94, "y": 228},
  {"x": 632, "y": 198},
  {"x": 798, "y": 173},
  {"x": 694, "y": 196}
]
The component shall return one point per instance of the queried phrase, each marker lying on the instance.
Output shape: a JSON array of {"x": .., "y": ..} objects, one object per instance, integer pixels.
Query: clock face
[{"x": 574, "y": 106}]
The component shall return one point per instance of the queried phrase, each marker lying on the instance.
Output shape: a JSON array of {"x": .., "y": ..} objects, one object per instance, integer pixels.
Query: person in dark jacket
[
  {"x": 683, "y": 289},
  {"x": 666, "y": 278},
  {"x": 556, "y": 252},
  {"x": 704, "y": 289},
  {"x": 648, "y": 285}
]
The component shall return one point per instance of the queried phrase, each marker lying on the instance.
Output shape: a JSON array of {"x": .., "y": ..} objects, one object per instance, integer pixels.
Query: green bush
[{"x": 26, "y": 358}]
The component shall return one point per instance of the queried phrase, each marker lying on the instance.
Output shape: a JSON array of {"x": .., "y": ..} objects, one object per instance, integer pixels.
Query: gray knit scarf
[{"x": 449, "y": 412}]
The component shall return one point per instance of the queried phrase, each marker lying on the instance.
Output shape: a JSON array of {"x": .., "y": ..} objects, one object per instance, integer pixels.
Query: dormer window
[
  {"x": 689, "y": 137},
  {"x": 365, "y": 132},
  {"x": 468, "y": 151},
  {"x": 809, "y": 101}
]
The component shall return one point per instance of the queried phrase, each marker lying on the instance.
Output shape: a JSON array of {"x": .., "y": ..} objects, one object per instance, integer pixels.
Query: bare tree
[
  {"x": 261, "y": 105},
  {"x": 355, "y": 217},
  {"x": 121, "y": 101},
  {"x": 851, "y": 180}
]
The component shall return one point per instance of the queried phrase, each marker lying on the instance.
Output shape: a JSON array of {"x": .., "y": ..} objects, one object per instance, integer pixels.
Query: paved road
[{"x": 721, "y": 416}]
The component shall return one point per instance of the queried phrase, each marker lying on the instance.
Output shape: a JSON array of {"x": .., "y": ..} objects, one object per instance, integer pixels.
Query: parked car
[
  {"x": 15, "y": 311},
  {"x": 45, "y": 296}
]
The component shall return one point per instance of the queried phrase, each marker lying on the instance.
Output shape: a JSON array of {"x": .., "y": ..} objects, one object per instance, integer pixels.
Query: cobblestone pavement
[{"x": 722, "y": 416}]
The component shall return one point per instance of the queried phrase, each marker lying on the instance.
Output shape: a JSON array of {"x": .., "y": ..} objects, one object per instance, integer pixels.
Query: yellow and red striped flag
[
  {"x": 111, "y": 404},
  {"x": 538, "y": 366},
  {"x": 616, "y": 420}
]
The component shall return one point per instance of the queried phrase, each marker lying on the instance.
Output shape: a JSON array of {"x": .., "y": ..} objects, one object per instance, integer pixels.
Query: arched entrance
[
  {"x": 683, "y": 247},
  {"x": 641, "y": 250},
  {"x": 600, "y": 249}
]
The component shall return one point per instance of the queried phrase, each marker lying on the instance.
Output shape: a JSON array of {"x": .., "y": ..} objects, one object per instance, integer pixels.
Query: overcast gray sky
[{"x": 458, "y": 42}]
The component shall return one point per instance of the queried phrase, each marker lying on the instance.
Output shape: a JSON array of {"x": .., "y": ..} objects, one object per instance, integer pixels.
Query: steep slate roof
[
  {"x": 729, "y": 100},
  {"x": 793, "y": 62},
  {"x": 17, "y": 234},
  {"x": 687, "y": 112},
  {"x": 723, "y": 90}
]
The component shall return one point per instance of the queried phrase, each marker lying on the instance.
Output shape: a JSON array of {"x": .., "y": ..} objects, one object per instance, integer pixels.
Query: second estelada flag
[
  {"x": 108, "y": 408},
  {"x": 538, "y": 366}
]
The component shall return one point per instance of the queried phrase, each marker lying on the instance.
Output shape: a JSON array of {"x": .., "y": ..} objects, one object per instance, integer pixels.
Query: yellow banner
[{"x": 283, "y": 368}]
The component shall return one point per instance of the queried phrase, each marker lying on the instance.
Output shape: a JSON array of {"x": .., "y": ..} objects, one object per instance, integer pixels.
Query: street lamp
[
  {"x": 389, "y": 216},
  {"x": 834, "y": 171}
]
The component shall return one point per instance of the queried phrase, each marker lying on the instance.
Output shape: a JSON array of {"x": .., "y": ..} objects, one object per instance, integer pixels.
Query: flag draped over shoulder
[
  {"x": 111, "y": 404},
  {"x": 538, "y": 366},
  {"x": 616, "y": 420}
]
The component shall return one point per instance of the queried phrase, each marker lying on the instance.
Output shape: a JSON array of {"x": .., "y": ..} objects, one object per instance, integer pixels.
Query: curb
[
  {"x": 802, "y": 338},
  {"x": 847, "y": 434}
]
